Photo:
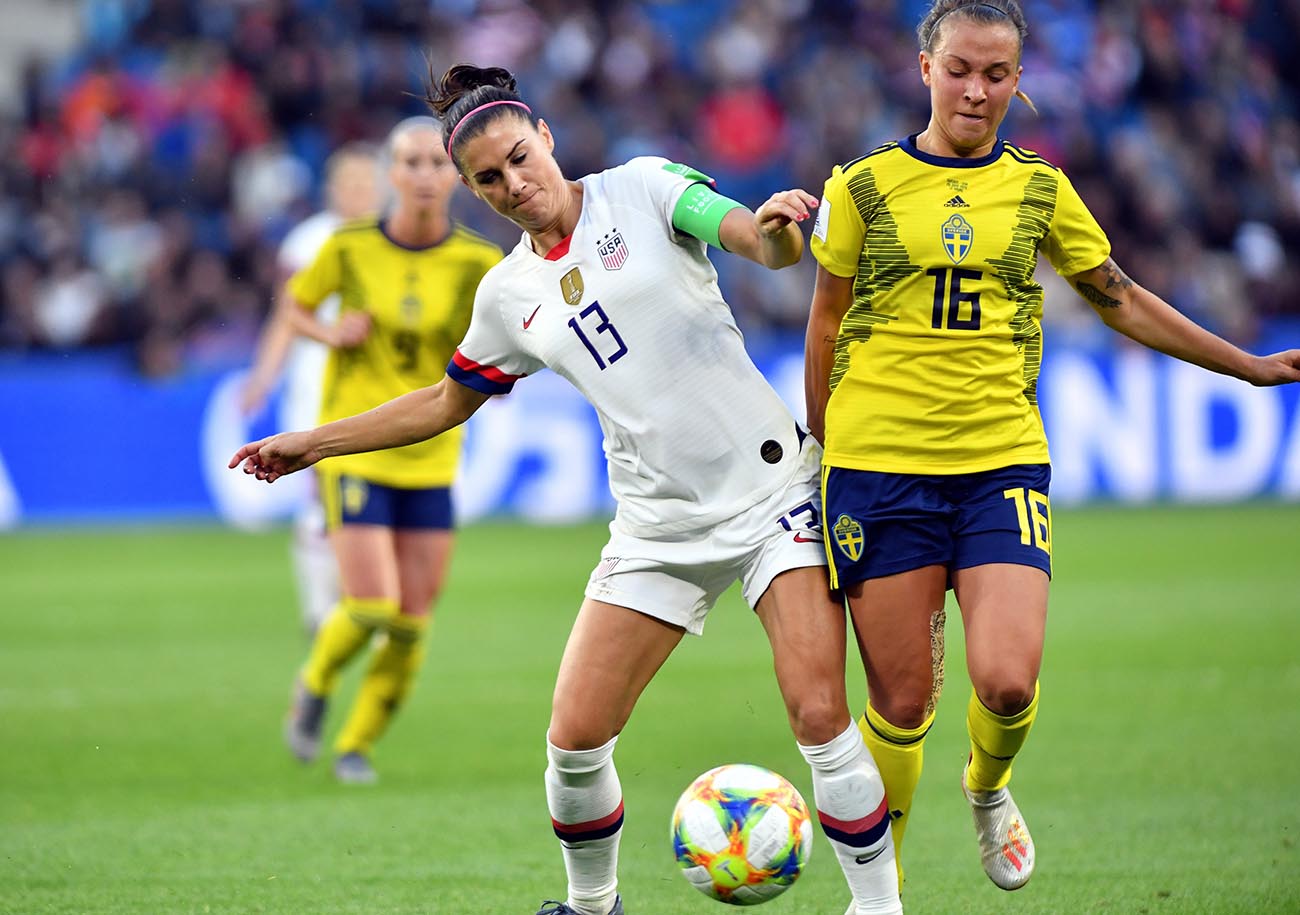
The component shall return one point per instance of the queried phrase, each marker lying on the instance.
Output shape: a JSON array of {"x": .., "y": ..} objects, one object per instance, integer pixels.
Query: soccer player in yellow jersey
[
  {"x": 406, "y": 285},
  {"x": 352, "y": 187},
  {"x": 923, "y": 350}
]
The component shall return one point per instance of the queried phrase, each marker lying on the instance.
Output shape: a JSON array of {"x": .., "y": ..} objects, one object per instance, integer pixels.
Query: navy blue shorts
[
  {"x": 355, "y": 500},
  {"x": 880, "y": 524}
]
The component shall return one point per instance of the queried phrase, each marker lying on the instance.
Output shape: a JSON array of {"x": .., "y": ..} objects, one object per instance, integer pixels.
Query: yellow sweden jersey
[
  {"x": 936, "y": 363},
  {"x": 419, "y": 301}
]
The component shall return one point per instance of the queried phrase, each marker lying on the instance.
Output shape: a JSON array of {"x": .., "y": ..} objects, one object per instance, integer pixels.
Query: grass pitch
[{"x": 143, "y": 675}]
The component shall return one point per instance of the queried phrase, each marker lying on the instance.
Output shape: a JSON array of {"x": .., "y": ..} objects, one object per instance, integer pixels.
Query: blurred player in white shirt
[
  {"x": 611, "y": 287},
  {"x": 352, "y": 190}
]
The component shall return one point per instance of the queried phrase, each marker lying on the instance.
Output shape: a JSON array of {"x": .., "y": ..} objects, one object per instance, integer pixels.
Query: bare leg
[
  {"x": 894, "y": 618},
  {"x": 611, "y": 655},
  {"x": 806, "y": 629},
  {"x": 422, "y": 557},
  {"x": 1004, "y": 610}
]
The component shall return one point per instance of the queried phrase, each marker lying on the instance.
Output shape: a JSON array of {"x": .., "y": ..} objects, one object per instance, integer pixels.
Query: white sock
[
  {"x": 316, "y": 571},
  {"x": 586, "y": 804},
  {"x": 850, "y": 798}
]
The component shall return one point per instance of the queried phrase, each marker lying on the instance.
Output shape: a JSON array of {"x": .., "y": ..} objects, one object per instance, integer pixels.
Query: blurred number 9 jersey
[
  {"x": 936, "y": 363},
  {"x": 419, "y": 302},
  {"x": 629, "y": 311}
]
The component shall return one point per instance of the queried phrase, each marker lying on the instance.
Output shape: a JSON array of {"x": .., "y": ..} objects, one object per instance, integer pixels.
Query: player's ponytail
[
  {"x": 988, "y": 12},
  {"x": 467, "y": 98}
]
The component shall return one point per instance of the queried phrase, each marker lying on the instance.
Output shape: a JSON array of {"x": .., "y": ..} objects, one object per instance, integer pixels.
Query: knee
[
  {"x": 421, "y": 603},
  {"x": 370, "y": 612},
  {"x": 572, "y": 730},
  {"x": 818, "y": 718},
  {"x": 903, "y": 701},
  {"x": 420, "y": 611},
  {"x": 905, "y": 712},
  {"x": 1006, "y": 696}
]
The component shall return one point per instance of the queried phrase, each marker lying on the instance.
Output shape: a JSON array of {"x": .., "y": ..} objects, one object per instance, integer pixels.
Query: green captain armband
[{"x": 700, "y": 209}]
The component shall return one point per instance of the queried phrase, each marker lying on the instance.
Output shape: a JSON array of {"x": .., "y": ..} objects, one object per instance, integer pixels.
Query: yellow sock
[
  {"x": 344, "y": 632},
  {"x": 387, "y": 682},
  {"x": 994, "y": 742},
  {"x": 898, "y": 753}
]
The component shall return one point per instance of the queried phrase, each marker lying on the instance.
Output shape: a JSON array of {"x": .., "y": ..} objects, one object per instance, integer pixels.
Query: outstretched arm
[
  {"x": 1143, "y": 316},
  {"x": 770, "y": 235},
  {"x": 404, "y": 420},
  {"x": 831, "y": 300}
]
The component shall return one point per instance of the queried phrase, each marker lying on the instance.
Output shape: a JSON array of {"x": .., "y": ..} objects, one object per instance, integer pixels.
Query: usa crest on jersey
[{"x": 613, "y": 250}]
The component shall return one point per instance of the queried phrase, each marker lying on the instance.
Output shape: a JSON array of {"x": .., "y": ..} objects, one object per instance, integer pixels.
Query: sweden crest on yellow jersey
[
  {"x": 848, "y": 537},
  {"x": 410, "y": 308},
  {"x": 957, "y": 237},
  {"x": 355, "y": 493}
]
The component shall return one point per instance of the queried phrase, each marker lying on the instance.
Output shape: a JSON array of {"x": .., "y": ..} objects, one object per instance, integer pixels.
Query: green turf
[{"x": 143, "y": 674}]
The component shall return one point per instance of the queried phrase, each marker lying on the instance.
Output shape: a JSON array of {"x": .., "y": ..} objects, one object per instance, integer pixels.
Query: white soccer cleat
[{"x": 1006, "y": 849}]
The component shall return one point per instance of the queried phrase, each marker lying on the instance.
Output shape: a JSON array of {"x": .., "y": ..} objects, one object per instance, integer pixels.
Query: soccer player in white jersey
[
  {"x": 611, "y": 287},
  {"x": 352, "y": 190}
]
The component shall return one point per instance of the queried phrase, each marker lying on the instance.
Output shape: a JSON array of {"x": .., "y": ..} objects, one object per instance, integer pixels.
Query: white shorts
[{"x": 678, "y": 580}]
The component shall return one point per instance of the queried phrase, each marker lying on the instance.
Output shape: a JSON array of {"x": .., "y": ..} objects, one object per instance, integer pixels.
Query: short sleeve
[
  {"x": 665, "y": 182},
  {"x": 475, "y": 271},
  {"x": 488, "y": 359},
  {"x": 319, "y": 279},
  {"x": 838, "y": 232},
  {"x": 1074, "y": 242}
]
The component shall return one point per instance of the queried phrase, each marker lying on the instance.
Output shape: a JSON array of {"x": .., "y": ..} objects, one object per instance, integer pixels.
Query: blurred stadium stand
[
  {"x": 34, "y": 29},
  {"x": 154, "y": 152}
]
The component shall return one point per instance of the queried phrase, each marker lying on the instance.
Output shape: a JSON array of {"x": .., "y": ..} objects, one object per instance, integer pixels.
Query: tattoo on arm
[
  {"x": 1094, "y": 295},
  {"x": 1115, "y": 279}
]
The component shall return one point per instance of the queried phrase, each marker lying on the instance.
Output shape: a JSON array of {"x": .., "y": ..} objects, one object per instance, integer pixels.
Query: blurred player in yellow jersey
[
  {"x": 352, "y": 190},
  {"x": 923, "y": 353},
  {"x": 406, "y": 284}
]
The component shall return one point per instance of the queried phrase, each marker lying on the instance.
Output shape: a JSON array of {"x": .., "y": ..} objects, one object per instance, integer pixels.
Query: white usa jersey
[
  {"x": 631, "y": 314},
  {"x": 305, "y": 367}
]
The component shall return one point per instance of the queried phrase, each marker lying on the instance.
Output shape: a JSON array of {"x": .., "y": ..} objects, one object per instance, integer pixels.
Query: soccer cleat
[
  {"x": 551, "y": 907},
  {"x": 354, "y": 769},
  {"x": 1006, "y": 850},
  {"x": 303, "y": 723}
]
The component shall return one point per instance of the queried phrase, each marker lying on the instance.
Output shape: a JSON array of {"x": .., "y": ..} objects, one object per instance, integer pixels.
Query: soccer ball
[{"x": 742, "y": 834}]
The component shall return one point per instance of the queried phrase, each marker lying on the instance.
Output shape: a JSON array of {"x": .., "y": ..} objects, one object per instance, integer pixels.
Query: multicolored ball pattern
[{"x": 742, "y": 834}]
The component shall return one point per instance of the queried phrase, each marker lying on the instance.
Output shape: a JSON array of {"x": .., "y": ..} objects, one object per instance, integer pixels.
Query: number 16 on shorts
[{"x": 1035, "y": 516}]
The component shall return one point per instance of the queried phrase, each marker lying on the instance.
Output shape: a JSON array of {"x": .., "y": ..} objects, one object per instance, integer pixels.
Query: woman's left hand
[{"x": 783, "y": 208}]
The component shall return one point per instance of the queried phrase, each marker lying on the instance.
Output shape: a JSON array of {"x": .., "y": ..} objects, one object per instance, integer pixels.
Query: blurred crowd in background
[{"x": 149, "y": 176}]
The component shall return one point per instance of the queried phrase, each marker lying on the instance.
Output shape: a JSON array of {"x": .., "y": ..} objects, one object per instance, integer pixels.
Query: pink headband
[{"x": 474, "y": 111}]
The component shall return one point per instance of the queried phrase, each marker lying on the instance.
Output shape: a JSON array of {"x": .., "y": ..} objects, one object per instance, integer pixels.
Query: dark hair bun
[{"x": 463, "y": 79}]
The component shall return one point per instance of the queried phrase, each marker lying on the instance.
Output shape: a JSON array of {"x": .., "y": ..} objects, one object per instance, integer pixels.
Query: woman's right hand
[
  {"x": 271, "y": 458},
  {"x": 351, "y": 330}
]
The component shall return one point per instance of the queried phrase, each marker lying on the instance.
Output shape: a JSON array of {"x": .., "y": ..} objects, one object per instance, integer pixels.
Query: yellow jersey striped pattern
[
  {"x": 419, "y": 301},
  {"x": 936, "y": 363}
]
